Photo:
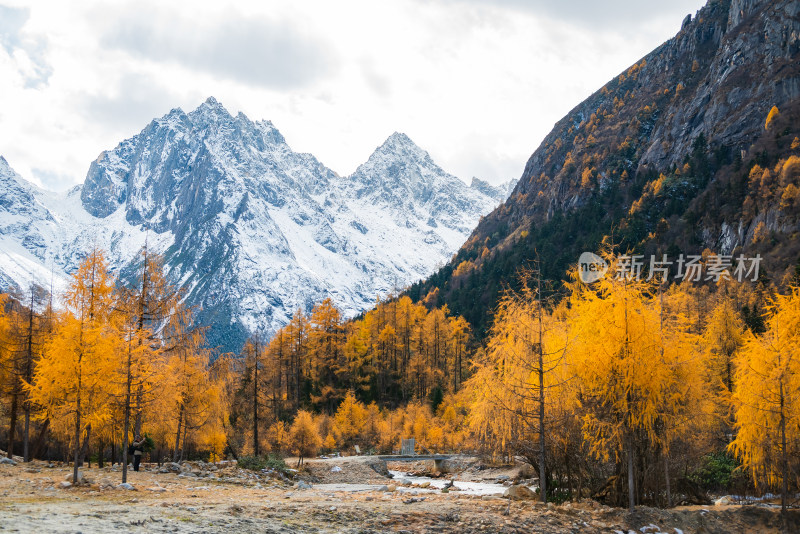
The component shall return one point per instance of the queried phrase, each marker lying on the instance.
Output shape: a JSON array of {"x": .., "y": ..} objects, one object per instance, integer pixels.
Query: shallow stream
[{"x": 436, "y": 484}]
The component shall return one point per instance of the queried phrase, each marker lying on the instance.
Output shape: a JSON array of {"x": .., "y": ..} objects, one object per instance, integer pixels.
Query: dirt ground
[{"x": 358, "y": 499}]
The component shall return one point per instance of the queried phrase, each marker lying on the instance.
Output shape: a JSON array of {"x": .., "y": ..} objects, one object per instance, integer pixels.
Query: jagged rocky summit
[{"x": 250, "y": 229}]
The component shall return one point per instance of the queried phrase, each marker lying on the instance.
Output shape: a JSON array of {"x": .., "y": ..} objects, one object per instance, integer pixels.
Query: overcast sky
[{"x": 477, "y": 83}]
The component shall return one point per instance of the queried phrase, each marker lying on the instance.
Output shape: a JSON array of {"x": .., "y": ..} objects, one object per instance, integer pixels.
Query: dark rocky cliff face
[
  {"x": 719, "y": 76},
  {"x": 660, "y": 156}
]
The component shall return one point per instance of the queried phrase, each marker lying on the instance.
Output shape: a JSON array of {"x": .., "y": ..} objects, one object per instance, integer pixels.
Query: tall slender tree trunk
[
  {"x": 568, "y": 466},
  {"x": 77, "y": 435},
  {"x": 125, "y": 439},
  {"x": 784, "y": 461},
  {"x": 626, "y": 353},
  {"x": 126, "y": 423},
  {"x": 666, "y": 480},
  {"x": 255, "y": 400},
  {"x": 631, "y": 485},
  {"x": 137, "y": 430},
  {"x": 26, "y": 457},
  {"x": 28, "y": 376},
  {"x": 729, "y": 373},
  {"x": 176, "y": 451},
  {"x": 143, "y": 301},
  {"x": 542, "y": 450},
  {"x": 185, "y": 430},
  {"x": 666, "y": 431},
  {"x": 85, "y": 446},
  {"x": 277, "y": 392},
  {"x": 12, "y": 426},
  {"x": 37, "y": 450},
  {"x": 540, "y": 370}
]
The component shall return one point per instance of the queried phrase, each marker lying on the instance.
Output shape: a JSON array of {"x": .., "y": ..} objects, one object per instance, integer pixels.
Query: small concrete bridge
[{"x": 438, "y": 459}]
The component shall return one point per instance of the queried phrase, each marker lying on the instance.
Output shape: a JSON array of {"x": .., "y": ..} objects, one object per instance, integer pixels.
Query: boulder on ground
[
  {"x": 519, "y": 492},
  {"x": 173, "y": 467},
  {"x": 81, "y": 479}
]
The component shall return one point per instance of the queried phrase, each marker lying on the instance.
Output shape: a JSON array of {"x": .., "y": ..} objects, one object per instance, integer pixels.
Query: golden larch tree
[
  {"x": 304, "y": 437},
  {"x": 71, "y": 377},
  {"x": 766, "y": 397},
  {"x": 634, "y": 377}
]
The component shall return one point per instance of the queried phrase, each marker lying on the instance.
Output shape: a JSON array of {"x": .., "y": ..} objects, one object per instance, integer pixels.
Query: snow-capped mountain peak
[
  {"x": 249, "y": 228},
  {"x": 399, "y": 144},
  {"x": 399, "y": 149},
  {"x": 211, "y": 113}
]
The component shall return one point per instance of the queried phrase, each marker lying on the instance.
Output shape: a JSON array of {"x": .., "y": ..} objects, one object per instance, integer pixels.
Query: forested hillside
[{"x": 693, "y": 147}]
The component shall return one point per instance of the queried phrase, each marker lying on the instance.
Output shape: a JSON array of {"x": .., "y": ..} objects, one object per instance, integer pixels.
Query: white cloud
[
  {"x": 476, "y": 83},
  {"x": 259, "y": 50},
  {"x": 24, "y": 49}
]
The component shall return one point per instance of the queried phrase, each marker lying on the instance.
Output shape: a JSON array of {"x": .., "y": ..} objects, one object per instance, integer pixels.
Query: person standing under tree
[{"x": 138, "y": 450}]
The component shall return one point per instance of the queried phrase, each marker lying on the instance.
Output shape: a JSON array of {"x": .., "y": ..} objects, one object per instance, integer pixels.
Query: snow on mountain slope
[
  {"x": 249, "y": 228},
  {"x": 22, "y": 243},
  {"x": 45, "y": 234}
]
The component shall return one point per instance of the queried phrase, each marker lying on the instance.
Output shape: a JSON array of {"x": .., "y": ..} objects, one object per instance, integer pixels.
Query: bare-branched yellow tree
[
  {"x": 511, "y": 386},
  {"x": 142, "y": 307},
  {"x": 192, "y": 398}
]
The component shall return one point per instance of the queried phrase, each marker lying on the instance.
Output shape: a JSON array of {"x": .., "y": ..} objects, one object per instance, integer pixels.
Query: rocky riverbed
[{"x": 347, "y": 495}]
